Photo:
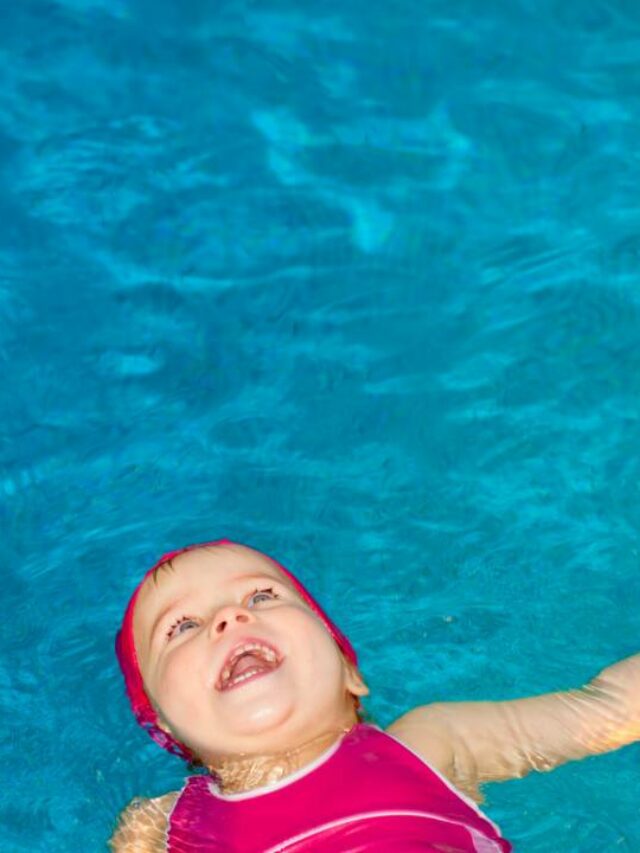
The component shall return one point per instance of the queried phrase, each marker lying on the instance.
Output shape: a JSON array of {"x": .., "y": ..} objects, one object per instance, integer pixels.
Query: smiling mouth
[{"x": 246, "y": 662}]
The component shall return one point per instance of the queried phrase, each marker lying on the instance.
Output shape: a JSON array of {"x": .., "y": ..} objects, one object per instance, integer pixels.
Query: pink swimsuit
[{"x": 367, "y": 793}]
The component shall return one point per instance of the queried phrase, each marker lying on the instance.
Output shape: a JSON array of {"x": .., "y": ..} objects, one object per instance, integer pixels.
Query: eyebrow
[{"x": 176, "y": 603}]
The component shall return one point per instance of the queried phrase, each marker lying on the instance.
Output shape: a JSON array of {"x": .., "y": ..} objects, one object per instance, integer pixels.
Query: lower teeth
[{"x": 243, "y": 677}]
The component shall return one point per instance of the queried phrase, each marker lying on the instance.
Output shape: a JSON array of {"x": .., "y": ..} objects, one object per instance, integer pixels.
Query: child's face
[{"x": 190, "y": 624}]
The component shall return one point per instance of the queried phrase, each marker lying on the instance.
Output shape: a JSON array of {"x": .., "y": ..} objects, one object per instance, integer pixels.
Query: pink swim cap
[{"x": 141, "y": 705}]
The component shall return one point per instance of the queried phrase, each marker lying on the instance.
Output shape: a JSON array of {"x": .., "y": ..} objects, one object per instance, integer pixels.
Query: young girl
[{"x": 229, "y": 662}]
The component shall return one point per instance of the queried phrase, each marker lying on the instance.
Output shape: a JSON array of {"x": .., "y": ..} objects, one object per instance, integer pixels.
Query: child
[{"x": 229, "y": 662}]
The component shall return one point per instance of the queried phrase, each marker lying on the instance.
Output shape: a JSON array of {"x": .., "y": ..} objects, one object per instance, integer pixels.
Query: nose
[{"x": 229, "y": 616}]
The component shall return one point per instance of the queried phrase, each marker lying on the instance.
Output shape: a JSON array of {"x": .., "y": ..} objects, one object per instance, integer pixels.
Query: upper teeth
[{"x": 267, "y": 653}]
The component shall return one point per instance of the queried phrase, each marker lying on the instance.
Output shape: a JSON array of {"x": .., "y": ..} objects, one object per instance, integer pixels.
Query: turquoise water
[{"x": 357, "y": 285}]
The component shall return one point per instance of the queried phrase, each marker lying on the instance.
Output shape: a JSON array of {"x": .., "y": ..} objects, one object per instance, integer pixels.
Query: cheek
[
  {"x": 179, "y": 687},
  {"x": 318, "y": 659}
]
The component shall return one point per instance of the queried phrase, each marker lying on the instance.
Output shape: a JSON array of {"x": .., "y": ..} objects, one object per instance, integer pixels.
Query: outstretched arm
[
  {"x": 142, "y": 826},
  {"x": 476, "y": 742}
]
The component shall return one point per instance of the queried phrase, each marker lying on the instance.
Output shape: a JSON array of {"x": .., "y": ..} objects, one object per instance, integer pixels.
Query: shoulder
[
  {"x": 142, "y": 826},
  {"x": 432, "y": 732},
  {"x": 426, "y": 732}
]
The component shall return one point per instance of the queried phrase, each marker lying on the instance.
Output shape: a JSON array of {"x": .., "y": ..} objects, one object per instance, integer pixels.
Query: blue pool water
[{"x": 357, "y": 284}]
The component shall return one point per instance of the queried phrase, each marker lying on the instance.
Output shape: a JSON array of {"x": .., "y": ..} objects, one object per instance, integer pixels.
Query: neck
[{"x": 244, "y": 772}]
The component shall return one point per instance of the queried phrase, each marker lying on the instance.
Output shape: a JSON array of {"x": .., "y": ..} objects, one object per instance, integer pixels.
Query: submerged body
[{"x": 367, "y": 792}]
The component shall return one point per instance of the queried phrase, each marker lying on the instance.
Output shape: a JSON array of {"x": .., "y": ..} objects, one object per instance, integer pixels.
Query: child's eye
[
  {"x": 260, "y": 595},
  {"x": 183, "y": 624}
]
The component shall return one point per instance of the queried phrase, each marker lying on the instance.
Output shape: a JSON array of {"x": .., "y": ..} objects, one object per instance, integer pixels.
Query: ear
[{"x": 355, "y": 683}]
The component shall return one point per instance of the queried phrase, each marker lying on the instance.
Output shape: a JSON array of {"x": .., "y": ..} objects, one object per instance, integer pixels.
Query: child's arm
[
  {"x": 142, "y": 826},
  {"x": 476, "y": 742}
]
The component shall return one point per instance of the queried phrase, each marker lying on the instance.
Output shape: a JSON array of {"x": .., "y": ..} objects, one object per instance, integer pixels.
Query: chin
[{"x": 271, "y": 725}]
